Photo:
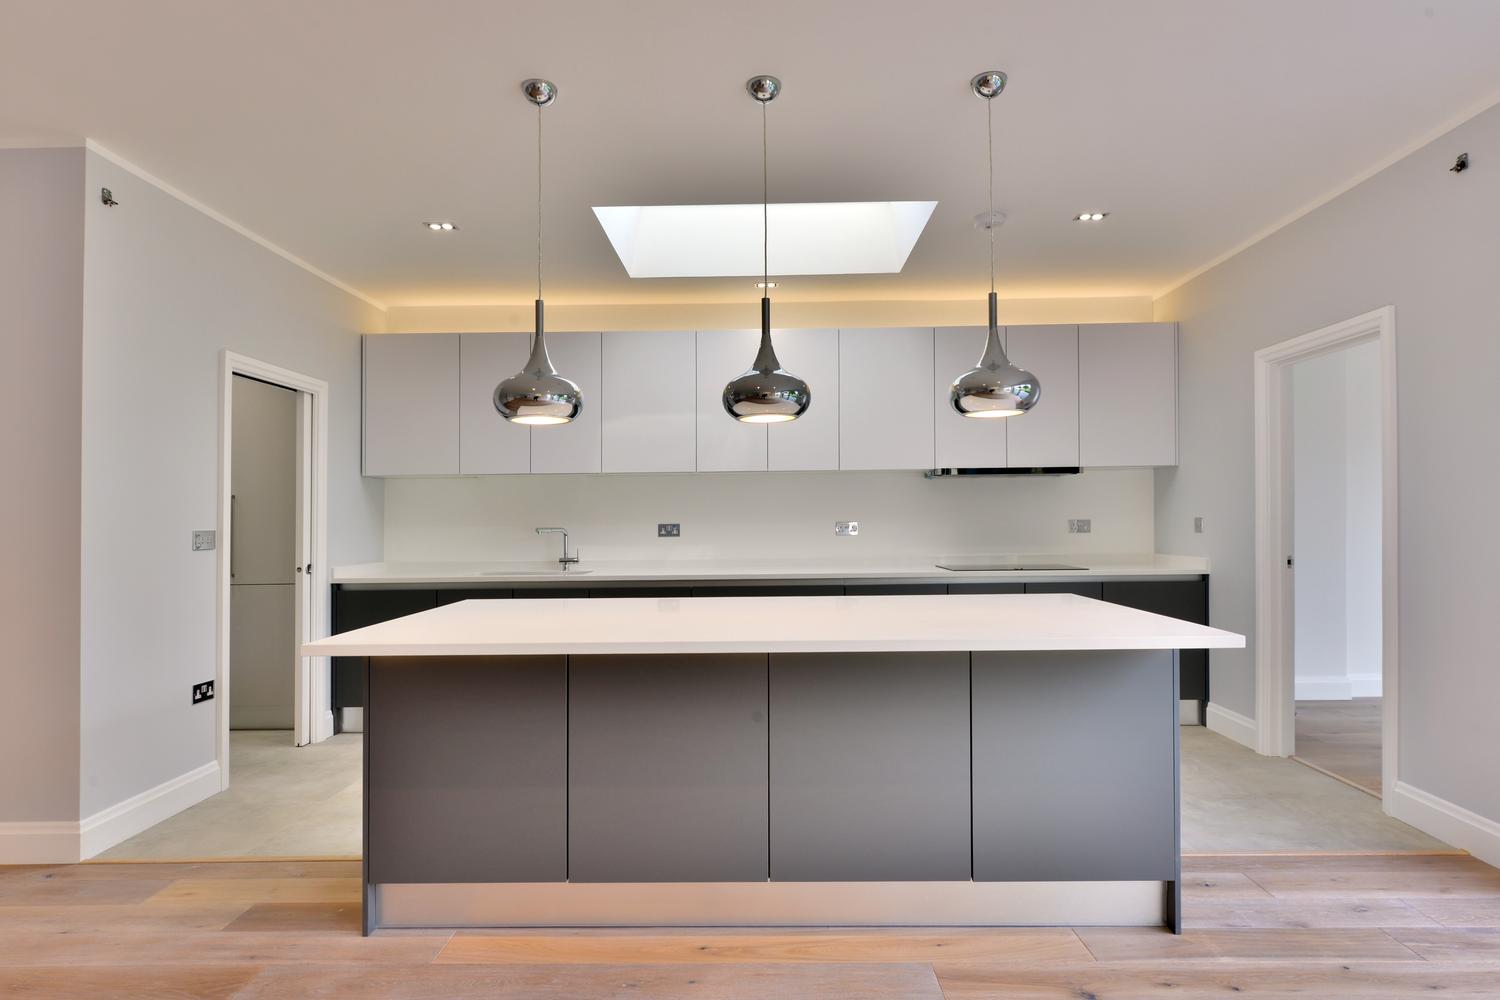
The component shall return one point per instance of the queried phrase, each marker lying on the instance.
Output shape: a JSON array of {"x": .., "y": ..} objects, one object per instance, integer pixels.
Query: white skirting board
[
  {"x": 1447, "y": 821},
  {"x": 770, "y": 904},
  {"x": 65, "y": 842},
  {"x": 1240, "y": 728}
]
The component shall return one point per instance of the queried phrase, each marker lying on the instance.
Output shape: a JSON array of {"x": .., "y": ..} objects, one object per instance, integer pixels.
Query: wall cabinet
[
  {"x": 575, "y": 446},
  {"x": 1127, "y": 394},
  {"x": 811, "y": 442},
  {"x": 488, "y": 444},
  {"x": 724, "y": 444},
  {"x": 884, "y": 419},
  {"x": 649, "y": 384},
  {"x": 1109, "y": 399},
  {"x": 411, "y": 423}
]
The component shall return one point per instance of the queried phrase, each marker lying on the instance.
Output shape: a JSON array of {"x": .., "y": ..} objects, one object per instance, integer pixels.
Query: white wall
[
  {"x": 766, "y": 515},
  {"x": 41, "y": 287},
  {"x": 166, "y": 288},
  {"x": 1336, "y": 517},
  {"x": 1424, "y": 240}
]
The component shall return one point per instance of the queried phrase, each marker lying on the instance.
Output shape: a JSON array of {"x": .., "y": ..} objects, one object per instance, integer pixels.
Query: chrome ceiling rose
[
  {"x": 995, "y": 387},
  {"x": 988, "y": 84},
  {"x": 538, "y": 395},
  {"x": 539, "y": 92},
  {"x": 763, "y": 88},
  {"x": 767, "y": 393}
]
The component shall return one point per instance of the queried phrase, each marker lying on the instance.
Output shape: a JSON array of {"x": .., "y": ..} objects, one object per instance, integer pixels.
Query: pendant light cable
[
  {"x": 765, "y": 209},
  {"x": 989, "y": 131},
  {"x": 539, "y": 203}
]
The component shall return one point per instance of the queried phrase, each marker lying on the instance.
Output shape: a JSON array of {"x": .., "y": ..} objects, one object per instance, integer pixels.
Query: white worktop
[
  {"x": 908, "y": 569},
  {"x": 935, "y": 623}
]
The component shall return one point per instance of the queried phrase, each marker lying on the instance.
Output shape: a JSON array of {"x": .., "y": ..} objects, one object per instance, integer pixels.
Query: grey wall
[
  {"x": 41, "y": 287},
  {"x": 165, "y": 289},
  {"x": 1424, "y": 240}
]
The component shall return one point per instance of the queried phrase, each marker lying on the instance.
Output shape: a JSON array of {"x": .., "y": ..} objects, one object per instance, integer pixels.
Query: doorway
[
  {"x": 1326, "y": 558},
  {"x": 1336, "y": 629}
]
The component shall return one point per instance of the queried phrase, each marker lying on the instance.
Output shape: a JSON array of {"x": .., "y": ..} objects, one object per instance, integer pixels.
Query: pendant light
[
  {"x": 996, "y": 388},
  {"x": 766, "y": 394},
  {"x": 538, "y": 395}
]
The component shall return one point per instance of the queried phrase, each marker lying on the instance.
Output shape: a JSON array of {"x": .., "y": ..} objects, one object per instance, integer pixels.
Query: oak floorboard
[
  {"x": 43, "y": 890},
  {"x": 991, "y": 945},
  {"x": 162, "y": 982},
  {"x": 1205, "y": 914},
  {"x": 261, "y": 890},
  {"x": 245, "y": 948},
  {"x": 1204, "y": 885},
  {"x": 121, "y": 919},
  {"x": 1126, "y": 944},
  {"x": 282, "y": 918},
  {"x": 1216, "y": 981},
  {"x": 600, "y": 982},
  {"x": 1461, "y": 911},
  {"x": 1453, "y": 944}
]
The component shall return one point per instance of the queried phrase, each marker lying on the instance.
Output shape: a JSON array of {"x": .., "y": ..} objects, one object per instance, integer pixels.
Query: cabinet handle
[{"x": 233, "y": 506}]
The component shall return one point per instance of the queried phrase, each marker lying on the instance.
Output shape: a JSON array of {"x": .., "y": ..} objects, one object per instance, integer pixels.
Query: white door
[
  {"x": 650, "y": 401},
  {"x": 885, "y": 406},
  {"x": 724, "y": 443},
  {"x": 811, "y": 442},
  {"x": 1047, "y": 435}
]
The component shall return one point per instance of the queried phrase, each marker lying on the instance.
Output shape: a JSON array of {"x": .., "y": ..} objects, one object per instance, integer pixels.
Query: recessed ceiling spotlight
[
  {"x": 440, "y": 227},
  {"x": 768, "y": 284},
  {"x": 1090, "y": 216}
]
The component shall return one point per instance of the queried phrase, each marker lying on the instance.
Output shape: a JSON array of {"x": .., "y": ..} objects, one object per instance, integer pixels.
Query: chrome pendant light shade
[
  {"x": 995, "y": 388},
  {"x": 767, "y": 393},
  {"x": 537, "y": 395}
]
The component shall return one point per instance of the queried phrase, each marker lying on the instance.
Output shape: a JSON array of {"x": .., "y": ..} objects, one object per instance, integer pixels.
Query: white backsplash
[{"x": 767, "y": 515}]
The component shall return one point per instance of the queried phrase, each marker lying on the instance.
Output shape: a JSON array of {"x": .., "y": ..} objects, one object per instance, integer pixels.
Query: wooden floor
[
  {"x": 1261, "y": 926},
  {"x": 1342, "y": 738}
]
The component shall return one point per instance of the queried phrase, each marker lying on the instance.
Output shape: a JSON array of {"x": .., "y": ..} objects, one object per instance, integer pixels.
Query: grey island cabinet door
[
  {"x": 869, "y": 767},
  {"x": 467, "y": 767},
  {"x": 667, "y": 768},
  {"x": 1075, "y": 774}
]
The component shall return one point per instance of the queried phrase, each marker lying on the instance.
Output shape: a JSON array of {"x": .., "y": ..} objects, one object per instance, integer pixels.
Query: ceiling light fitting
[
  {"x": 1090, "y": 216},
  {"x": 538, "y": 395},
  {"x": 766, "y": 394},
  {"x": 768, "y": 284},
  {"x": 996, "y": 388},
  {"x": 440, "y": 227}
]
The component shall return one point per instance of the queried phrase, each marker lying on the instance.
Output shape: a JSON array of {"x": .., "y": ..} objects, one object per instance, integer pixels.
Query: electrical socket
[
  {"x": 1197, "y": 525},
  {"x": 669, "y": 531},
  {"x": 846, "y": 527},
  {"x": 203, "y": 541},
  {"x": 203, "y": 691},
  {"x": 1080, "y": 525}
]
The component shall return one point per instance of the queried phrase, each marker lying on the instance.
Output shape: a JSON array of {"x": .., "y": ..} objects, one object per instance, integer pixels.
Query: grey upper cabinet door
[
  {"x": 962, "y": 442},
  {"x": 870, "y": 767},
  {"x": 724, "y": 443},
  {"x": 411, "y": 404},
  {"x": 667, "y": 768},
  {"x": 488, "y": 444},
  {"x": 882, "y": 373},
  {"x": 467, "y": 769},
  {"x": 1127, "y": 386},
  {"x": 574, "y": 446},
  {"x": 1103, "y": 807},
  {"x": 650, "y": 401},
  {"x": 1046, "y": 436},
  {"x": 811, "y": 442}
]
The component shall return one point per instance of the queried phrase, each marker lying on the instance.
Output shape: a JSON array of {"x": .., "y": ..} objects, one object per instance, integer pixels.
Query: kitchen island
[{"x": 960, "y": 759}]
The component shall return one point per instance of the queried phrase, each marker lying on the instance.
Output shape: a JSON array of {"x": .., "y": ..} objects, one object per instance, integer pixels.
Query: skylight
[{"x": 704, "y": 241}]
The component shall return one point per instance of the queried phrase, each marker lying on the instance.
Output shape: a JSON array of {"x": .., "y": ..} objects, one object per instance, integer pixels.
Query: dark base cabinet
[
  {"x": 1184, "y": 599},
  {"x": 466, "y": 769},
  {"x": 870, "y": 767},
  {"x": 1075, "y": 774},
  {"x": 354, "y": 609},
  {"x": 667, "y": 768}
]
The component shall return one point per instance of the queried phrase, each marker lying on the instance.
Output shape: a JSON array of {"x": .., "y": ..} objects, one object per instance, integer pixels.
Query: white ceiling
[{"x": 335, "y": 128}]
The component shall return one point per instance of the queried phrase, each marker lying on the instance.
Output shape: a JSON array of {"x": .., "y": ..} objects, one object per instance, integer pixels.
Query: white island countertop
[
  {"x": 933, "y": 623},
  {"x": 894, "y": 568}
]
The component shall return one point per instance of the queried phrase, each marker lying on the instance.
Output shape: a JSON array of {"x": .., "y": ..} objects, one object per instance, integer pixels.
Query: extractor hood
[{"x": 1050, "y": 470}]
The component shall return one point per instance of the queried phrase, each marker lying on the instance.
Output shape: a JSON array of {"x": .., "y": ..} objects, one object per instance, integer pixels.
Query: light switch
[{"x": 203, "y": 541}]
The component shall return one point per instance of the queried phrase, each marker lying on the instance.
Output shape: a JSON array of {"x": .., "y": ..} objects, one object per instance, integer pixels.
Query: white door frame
[
  {"x": 1275, "y": 683},
  {"x": 313, "y": 715}
]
